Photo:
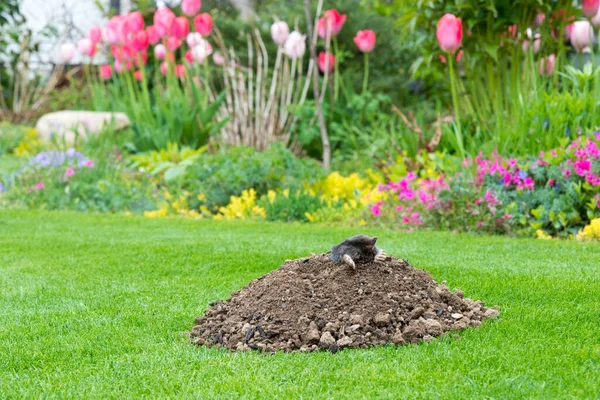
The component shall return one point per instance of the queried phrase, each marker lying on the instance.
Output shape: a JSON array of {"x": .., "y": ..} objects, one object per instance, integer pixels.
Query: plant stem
[
  {"x": 337, "y": 69},
  {"x": 458, "y": 130},
  {"x": 366, "y": 77}
]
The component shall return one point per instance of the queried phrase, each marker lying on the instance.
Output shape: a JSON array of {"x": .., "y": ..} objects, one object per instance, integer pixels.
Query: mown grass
[{"x": 95, "y": 306}]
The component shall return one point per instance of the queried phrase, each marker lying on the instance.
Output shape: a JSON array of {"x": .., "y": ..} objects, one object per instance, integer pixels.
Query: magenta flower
[
  {"x": 40, "y": 185},
  {"x": 70, "y": 172},
  {"x": 89, "y": 164}
]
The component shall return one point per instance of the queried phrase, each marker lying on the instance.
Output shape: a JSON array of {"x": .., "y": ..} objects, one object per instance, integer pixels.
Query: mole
[{"x": 359, "y": 249}]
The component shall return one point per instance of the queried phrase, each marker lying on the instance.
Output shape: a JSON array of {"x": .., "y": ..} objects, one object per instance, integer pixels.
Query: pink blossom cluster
[
  {"x": 584, "y": 152},
  {"x": 413, "y": 195},
  {"x": 505, "y": 169}
]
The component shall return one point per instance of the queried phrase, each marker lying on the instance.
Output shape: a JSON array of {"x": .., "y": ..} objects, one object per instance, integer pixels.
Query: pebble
[
  {"x": 457, "y": 316},
  {"x": 326, "y": 340}
]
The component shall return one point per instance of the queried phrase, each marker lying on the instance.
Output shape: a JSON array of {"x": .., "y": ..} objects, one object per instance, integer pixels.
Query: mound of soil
[{"x": 313, "y": 303}]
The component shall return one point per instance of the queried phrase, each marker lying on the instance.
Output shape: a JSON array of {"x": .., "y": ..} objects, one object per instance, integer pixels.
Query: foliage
[
  {"x": 170, "y": 162},
  {"x": 231, "y": 170},
  {"x": 69, "y": 180}
]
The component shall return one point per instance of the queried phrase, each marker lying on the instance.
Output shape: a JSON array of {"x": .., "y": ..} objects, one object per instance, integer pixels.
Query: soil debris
[{"x": 315, "y": 304}]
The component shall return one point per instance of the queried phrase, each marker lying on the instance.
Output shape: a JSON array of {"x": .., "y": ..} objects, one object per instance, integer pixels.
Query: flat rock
[{"x": 68, "y": 124}]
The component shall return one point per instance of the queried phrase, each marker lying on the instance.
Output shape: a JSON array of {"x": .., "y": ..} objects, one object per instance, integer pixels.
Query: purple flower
[
  {"x": 1, "y": 187},
  {"x": 71, "y": 152},
  {"x": 522, "y": 174}
]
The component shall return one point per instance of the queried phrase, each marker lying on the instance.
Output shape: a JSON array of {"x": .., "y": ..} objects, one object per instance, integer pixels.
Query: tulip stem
[
  {"x": 458, "y": 128},
  {"x": 366, "y": 77},
  {"x": 337, "y": 69}
]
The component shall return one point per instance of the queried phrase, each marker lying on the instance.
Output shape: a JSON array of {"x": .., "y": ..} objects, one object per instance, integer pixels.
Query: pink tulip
[
  {"x": 119, "y": 67},
  {"x": 189, "y": 57},
  {"x": 201, "y": 51},
  {"x": 180, "y": 28},
  {"x": 180, "y": 70},
  {"x": 191, "y": 7},
  {"x": 194, "y": 39},
  {"x": 67, "y": 52},
  {"x": 582, "y": 35},
  {"x": 106, "y": 71},
  {"x": 449, "y": 33},
  {"x": 163, "y": 20},
  {"x": 143, "y": 57},
  {"x": 95, "y": 34},
  {"x": 331, "y": 19},
  {"x": 134, "y": 22},
  {"x": 218, "y": 59},
  {"x": 459, "y": 56},
  {"x": 140, "y": 41},
  {"x": 110, "y": 35},
  {"x": 203, "y": 24},
  {"x": 160, "y": 51},
  {"x": 164, "y": 67},
  {"x": 536, "y": 42},
  {"x": 138, "y": 75},
  {"x": 86, "y": 47},
  {"x": 590, "y": 7},
  {"x": 596, "y": 20},
  {"x": 280, "y": 32},
  {"x": 173, "y": 43},
  {"x": 547, "y": 65},
  {"x": 539, "y": 19},
  {"x": 153, "y": 36},
  {"x": 326, "y": 62},
  {"x": 295, "y": 45},
  {"x": 365, "y": 40}
]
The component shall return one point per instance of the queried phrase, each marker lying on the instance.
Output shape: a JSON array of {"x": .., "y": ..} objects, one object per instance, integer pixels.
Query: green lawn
[{"x": 95, "y": 306}]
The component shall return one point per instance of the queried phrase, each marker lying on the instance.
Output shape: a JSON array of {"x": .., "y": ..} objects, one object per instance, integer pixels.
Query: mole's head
[{"x": 362, "y": 241}]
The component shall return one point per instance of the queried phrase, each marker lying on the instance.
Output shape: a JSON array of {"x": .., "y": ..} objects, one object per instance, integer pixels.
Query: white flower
[
  {"x": 295, "y": 45},
  {"x": 201, "y": 51},
  {"x": 280, "y": 32}
]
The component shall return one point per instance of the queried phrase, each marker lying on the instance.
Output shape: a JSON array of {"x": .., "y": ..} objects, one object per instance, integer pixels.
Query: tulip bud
[
  {"x": 95, "y": 34},
  {"x": 67, "y": 52},
  {"x": 173, "y": 43},
  {"x": 138, "y": 75},
  {"x": 547, "y": 65},
  {"x": 449, "y": 33},
  {"x": 590, "y": 7},
  {"x": 164, "y": 67},
  {"x": 180, "y": 28},
  {"x": 295, "y": 45},
  {"x": 106, "y": 71},
  {"x": 331, "y": 20},
  {"x": 582, "y": 35},
  {"x": 191, "y": 7},
  {"x": 280, "y": 32},
  {"x": 365, "y": 40},
  {"x": 160, "y": 51},
  {"x": 86, "y": 47},
  {"x": 134, "y": 22},
  {"x": 203, "y": 24},
  {"x": 153, "y": 36},
  {"x": 218, "y": 59},
  {"x": 194, "y": 39},
  {"x": 180, "y": 70},
  {"x": 326, "y": 62}
]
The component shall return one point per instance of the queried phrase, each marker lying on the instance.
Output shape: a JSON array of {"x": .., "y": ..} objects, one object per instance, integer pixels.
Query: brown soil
[{"x": 313, "y": 303}]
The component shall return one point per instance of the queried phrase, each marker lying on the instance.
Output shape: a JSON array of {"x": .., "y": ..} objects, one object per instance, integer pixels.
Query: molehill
[{"x": 313, "y": 303}]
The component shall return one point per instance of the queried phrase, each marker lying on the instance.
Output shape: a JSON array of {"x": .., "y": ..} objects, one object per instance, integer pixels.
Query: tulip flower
[
  {"x": 537, "y": 41},
  {"x": 295, "y": 45},
  {"x": 582, "y": 35},
  {"x": 191, "y": 7},
  {"x": 449, "y": 33},
  {"x": 596, "y": 20},
  {"x": 140, "y": 41},
  {"x": 134, "y": 22},
  {"x": 153, "y": 36},
  {"x": 180, "y": 70},
  {"x": 365, "y": 40},
  {"x": 106, "y": 71},
  {"x": 590, "y": 7},
  {"x": 86, "y": 47},
  {"x": 163, "y": 20},
  {"x": 138, "y": 75},
  {"x": 119, "y": 67},
  {"x": 326, "y": 62},
  {"x": 218, "y": 58},
  {"x": 201, "y": 51},
  {"x": 67, "y": 52},
  {"x": 95, "y": 34},
  {"x": 160, "y": 51},
  {"x": 110, "y": 35},
  {"x": 194, "y": 39},
  {"x": 280, "y": 32},
  {"x": 164, "y": 67},
  {"x": 333, "y": 20},
  {"x": 180, "y": 28},
  {"x": 173, "y": 43},
  {"x": 547, "y": 65},
  {"x": 189, "y": 57},
  {"x": 203, "y": 24}
]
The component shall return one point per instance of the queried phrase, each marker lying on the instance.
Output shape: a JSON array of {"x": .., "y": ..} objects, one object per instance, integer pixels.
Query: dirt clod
[{"x": 330, "y": 306}]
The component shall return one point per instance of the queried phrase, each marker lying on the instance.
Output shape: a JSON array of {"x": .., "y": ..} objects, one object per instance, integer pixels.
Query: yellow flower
[
  {"x": 541, "y": 234},
  {"x": 309, "y": 217},
  {"x": 271, "y": 196},
  {"x": 286, "y": 192},
  {"x": 168, "y": 195},
  {"x": 590, "y": 232},
  {"x": 201, "y": 197}
]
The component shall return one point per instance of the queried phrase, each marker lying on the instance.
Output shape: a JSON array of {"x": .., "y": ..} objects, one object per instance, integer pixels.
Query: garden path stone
[
  {"x": 396, "y": 304},
  {"x": 68, "y": 124}
]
